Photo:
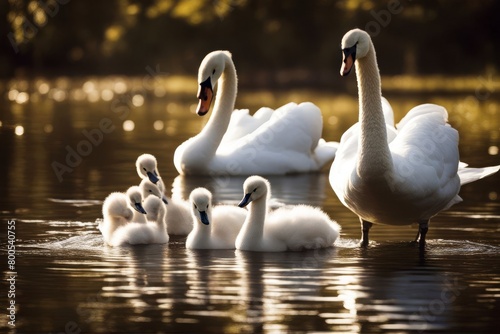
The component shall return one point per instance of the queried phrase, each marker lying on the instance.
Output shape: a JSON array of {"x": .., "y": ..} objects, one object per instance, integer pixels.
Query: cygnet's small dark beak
[
  {"x": 139, "y": 208},
  {"x": 245, "y": 201},
  {"x": 204, "y": 217},
  {"x": 152, "y": 177}
]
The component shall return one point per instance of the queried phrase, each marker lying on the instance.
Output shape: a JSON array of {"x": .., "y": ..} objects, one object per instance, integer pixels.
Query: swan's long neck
[
  {"x": 162, "y": 218},
  {"x": 254, "y": 223},
  {"x": 374, "y": 155},
  {"x": 225, "y": 99}
]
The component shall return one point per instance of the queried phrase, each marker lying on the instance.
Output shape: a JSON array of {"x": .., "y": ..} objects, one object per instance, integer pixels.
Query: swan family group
[{"x": 383, "y": 173}]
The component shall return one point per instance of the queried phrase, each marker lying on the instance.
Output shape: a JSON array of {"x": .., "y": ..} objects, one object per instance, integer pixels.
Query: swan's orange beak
[
  {"x": 349, "y": 55},
  {"x": 346, "y": 65},
  {"x": 205, "y": 95}
]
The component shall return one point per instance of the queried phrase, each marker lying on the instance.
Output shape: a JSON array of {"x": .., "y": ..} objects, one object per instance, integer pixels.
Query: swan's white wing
[
  {"x": 425, "y": 159},
  {"x": 388, "y": 112},
  {"x": 285, "y": 143},
  {"x": 242, "y": 123}
]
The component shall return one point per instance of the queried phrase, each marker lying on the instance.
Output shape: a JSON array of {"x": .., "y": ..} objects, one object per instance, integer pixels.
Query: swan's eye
[
  {"x": 195, "y": 206},
  {"x": 213, "y": 72},
  {"x": 255, "y": 190},
  {"x": 151, "y": 191},
  {"x": 144, "y": 169}
]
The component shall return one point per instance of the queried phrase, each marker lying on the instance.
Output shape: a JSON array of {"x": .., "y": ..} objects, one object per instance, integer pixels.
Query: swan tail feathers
[
  {"x": 468, "y": 175},
  {"x": 455, "y": 200}
]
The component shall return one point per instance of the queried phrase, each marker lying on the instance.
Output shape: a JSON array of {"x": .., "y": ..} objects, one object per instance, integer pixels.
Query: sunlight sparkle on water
[
  {"x": 43, "y": 88},
  {"x": 128, "y": 125},
  {"x": 158, "y": 125},
  {"x": 22, "y": 97},
  {"x": 19, "y": 130},
  {"x": 120, "y": 87},
  {"x": 138, "y": 100},
  {"x": 493, "y": 150},
  {"x": 107, "y": 95}
]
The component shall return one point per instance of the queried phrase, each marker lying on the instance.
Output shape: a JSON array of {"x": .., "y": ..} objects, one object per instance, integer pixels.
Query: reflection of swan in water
[
  {"x": 412, "y": 296},
  {"x": 117, "y": 231},
  {"x": 210, "y": 276},
  {"x": 178, "y": 216},
  {"x": 136, "y": 279},
  {"x": 214, "y": 227},
  {"x": 272, "y": 284},
  {"x": 286, "y": 141},
  {"x": 292, "y": 228}
]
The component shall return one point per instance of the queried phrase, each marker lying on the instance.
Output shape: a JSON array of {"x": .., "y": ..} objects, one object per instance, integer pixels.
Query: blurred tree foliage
[{"x": 295, "y": 38}]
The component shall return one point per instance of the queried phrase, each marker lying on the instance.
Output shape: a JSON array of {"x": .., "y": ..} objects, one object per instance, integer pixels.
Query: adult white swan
[
  {"x": 289, "y": 228},
  {"x": 288, "y": 140},
  {"x": 395, "y": 177},
  {"x": 213, "y": 227}
]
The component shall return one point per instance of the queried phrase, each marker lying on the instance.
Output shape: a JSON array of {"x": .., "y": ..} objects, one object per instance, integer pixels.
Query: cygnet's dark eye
[
  {"x": 195, "y": 206},
  {"x": 151, "y": 191},
  {"x": 144, "y": 169},
  {"x": 213, "y": 72},
  {"x": 255, "y": 190}
]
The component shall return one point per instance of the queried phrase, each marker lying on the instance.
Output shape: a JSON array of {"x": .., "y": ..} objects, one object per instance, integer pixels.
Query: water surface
[{"x": 68, "y": 280}]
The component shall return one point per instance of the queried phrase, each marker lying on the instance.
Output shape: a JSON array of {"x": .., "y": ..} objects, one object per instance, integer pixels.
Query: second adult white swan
[
  {"x": 395, "y": 177},
  {"x": 287, "y": 141}
]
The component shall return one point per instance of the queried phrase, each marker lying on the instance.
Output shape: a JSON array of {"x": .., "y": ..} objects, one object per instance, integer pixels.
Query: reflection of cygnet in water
[
  {"x": 213, "y": 227},
  {"x": 289, "y": 228}
]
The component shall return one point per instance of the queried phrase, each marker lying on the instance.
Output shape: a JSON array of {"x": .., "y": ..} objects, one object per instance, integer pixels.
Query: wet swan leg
[{"x": 365, "y": 228}]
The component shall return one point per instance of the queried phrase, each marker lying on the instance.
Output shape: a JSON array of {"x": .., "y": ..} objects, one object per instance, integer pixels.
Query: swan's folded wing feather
[
  {"x": 388, "y": 112},
  {"x": 240, "y": 124},
  {"x": 425, "y": 158},
  {"x": 285, "y": 142}
]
